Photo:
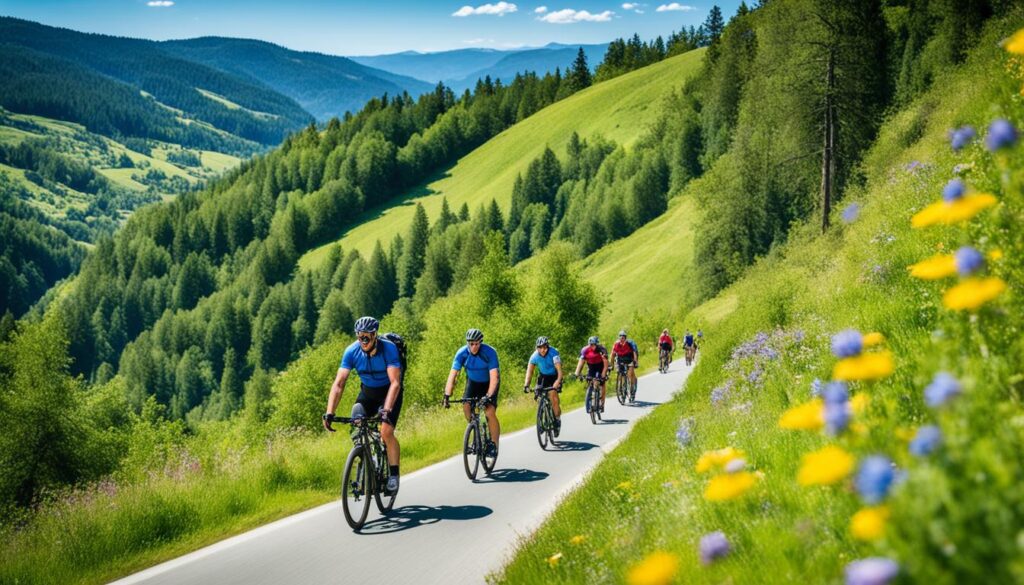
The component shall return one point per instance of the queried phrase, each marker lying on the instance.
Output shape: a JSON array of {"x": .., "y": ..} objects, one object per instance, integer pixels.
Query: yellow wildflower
[
  {"x": 867, "y": 366},
  {"x": 729, "y": 486},
  {"x": 905, "y": 434},
  {"x": 658, "y": 568},
  {"x": 869, "y": 523},
  {"x": 577, "y": 540},
  {"x": 625, "y": 486},
  {"x": 872, "y": 339},
  {"x": 719, "y": 458},
  {"x": 973, "y": 293},
  {"x": 1015, "y": 44},
  {"x": 859, "y": 403},
  {"x": 957, "y": 211},
  {"x": 553, "y": 559},
  {"x": 995, "y": 255},
  {"x": 825, "y": 466},
  {"x": 934, "y": 268},
  {"x": 808, "y": 416}
]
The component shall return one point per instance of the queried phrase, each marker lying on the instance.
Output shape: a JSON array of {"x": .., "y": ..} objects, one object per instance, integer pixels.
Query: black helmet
[
  {"x": 367, "y": 325},
  {"x": 474, "y": 334},
  {"x": 593, "y": 340},
  {"x": 542, "y": 341}
]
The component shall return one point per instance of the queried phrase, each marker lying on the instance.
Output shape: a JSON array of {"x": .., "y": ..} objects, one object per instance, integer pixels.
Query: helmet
[
  {"x": 367, "y": 324},
  {"x": 593, "y": 340},
  {"x": 622, "y": 333},
  {"x": 474, "y": 334},
  {"x": 542, "y": 341}
]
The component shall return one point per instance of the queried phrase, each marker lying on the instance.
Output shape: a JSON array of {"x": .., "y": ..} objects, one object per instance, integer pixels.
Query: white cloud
[
  {"x": 478, "y": 41},
  {"x": 629, "y": 6},
  {"x": 160, "y": 3},
  {"x": 501, "y": 9},
  {"x": 634, "y": 7},
  {"x": 540, "y": 10},
  {"x": 675, "y": 6},
  {"x": 570, "y": 16}
]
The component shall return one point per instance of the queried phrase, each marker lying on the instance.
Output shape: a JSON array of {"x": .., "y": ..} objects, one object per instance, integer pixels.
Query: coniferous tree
[
  {"x": 579, "y": 75},
  {"x": 415, "y": 251}
]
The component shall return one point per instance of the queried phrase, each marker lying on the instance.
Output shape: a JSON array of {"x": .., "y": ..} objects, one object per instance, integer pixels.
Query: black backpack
[{"x": 402, "y": 350}]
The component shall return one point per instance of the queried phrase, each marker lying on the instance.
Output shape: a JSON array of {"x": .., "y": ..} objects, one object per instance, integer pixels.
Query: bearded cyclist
[
  {"x": 625, "y": 352},
  {"x": 547, "y": 360},
  {"x": 379, "y": 367},
  {"x": 666, "y": 343},
  {"x": 482, "y": 380},
  {"x": 596, "y": 357}
]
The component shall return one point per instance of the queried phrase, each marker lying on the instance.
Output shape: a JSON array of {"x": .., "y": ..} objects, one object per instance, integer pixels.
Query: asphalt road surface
[{"x": 443, "y": 529}]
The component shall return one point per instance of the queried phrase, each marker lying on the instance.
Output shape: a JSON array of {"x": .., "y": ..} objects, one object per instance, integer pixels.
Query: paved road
[{"x": 444, "y": 529}]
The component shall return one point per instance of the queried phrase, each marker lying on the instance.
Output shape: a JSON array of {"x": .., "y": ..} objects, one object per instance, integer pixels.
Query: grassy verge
[
  {"x": 110, "y": 531},
  {"x": 955, "y": 515}
]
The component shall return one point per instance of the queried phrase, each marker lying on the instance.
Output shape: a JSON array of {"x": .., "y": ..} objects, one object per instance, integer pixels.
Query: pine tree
[
  {"x": 335, "y": 317},
  {"x": 579, "y": 75},
  {"x": 415, "y": 251}
]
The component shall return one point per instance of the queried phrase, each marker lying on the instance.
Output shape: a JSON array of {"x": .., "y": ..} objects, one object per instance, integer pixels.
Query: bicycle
[
  {"x": 663, "y": 359},
  {"x": 593, "y": 399},
  {"x": 545, "y": 416},
  {"x": 474, "y": 446},
  {"x": 691, "y": 351},
  {"x": 622, "y": 382},
  {"x": 366, "y": 472}
]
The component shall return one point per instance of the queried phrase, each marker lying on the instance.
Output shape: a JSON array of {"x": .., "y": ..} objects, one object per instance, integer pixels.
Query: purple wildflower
[
  {"x": 684, "y": 434},
  {"x": 943, "y": 388},
  {"x": 713, "y": 546},
  {"x": 874, "y": 478},
  {"x": 968, "y": 260},
  {"x": 1001, "y": 134},
  {"x": 960, "y": 137},
  {"x": 837, "y": 412},
  {"x": 718, "y": 395},
  {"x": 799, "y": 335},
  {"x": 871, "y": 571},
  {"x": 847, "y": 343},
  {"x": 914, "y": 165},
  {"x": 953, "y": 190},
  {"x": 836, "y": 393},
  {"x": 816, "y": 388},
  {"x": 926, "y": 441},
  {"x": 851, "y": 213}
]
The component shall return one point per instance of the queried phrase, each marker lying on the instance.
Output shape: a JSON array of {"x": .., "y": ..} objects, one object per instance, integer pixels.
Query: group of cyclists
[{"x": 378, "y": 361}]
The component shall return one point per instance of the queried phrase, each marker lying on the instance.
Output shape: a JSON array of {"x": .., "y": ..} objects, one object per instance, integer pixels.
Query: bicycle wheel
[
  {"x": 593, "y": 403},
  {"x": 356, "y": 485},
  {"x": 487, "y": 460},
  {"x": 621, "y": 387},
  {"x": 549, "y": 414},
  {"x": 385, "y": 501},
  {"x": 471, "y": 451},
  {"x": 542, "y": 423}
]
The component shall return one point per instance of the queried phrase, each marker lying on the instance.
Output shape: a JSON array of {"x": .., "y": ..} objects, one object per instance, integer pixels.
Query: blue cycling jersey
[
  {"x": 373, "y": 371},
  {"x": 546, "y": 364},
  {"x": 479, "y": 366}
]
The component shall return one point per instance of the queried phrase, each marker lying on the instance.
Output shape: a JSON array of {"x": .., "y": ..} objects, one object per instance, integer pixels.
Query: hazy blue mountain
[
  {"x": 325, "y": 85},
  {"x": 434, "y": 67},
  {"x": 540, "y": 61}
]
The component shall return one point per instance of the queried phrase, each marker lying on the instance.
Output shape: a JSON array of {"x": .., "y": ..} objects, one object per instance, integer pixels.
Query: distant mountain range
[{"x": 461, "y": 68}]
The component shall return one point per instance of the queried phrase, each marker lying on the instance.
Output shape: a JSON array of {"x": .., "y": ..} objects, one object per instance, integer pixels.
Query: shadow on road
[
  {"x": 614, "y": 421},
  {"x": 642, "y": 404},
  {"x": 513, "y": 475},
  {"x": 408, "y": 517},
  {"x": 572, "y": 446}
]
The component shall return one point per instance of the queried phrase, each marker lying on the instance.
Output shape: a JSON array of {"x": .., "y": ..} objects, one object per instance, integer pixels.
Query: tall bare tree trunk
[{"x": 828, "y": 164}]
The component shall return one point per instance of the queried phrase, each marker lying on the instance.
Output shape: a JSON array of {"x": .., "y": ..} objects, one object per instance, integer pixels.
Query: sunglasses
[
  {"x": 474, "y": 343},
  {"x": 364, "y": 338}
]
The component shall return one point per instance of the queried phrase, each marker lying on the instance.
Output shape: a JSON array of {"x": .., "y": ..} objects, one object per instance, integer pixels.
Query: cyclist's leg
[
  {"x": 467, "y": 408},
  {"x": 387, "y": 433},
  {"x": 492, "y": 421},
  {"x": 546, "y": 382},
  {"x": 632, "y": 374}
]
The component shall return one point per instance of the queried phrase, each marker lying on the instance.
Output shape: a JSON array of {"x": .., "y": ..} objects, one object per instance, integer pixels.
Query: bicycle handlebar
[{"x": 348, "y": 420}]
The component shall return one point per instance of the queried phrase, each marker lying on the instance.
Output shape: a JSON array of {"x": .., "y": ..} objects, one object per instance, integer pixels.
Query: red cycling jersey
[
  {"x": 665, "y": 339},
  {"x": 595, "y": 355},
  {"x": 622, "y": 348}
]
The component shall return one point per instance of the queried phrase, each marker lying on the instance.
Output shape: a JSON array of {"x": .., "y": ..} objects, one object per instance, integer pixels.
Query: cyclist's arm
[
  {"x": 558, "y": 380},
  {"x": 529, "y": 374},
  {"x": 579, "y": 367},
  {"x": 604, "y": 359},
  {"x": 451, "y": 382},
  {"x": 493, "y": 388},
  {"x": 395, "y": 375},
  {"x": 337, "y": 389}
]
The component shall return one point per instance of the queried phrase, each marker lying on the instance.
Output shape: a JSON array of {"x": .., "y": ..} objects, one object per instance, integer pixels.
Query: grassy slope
[
  {"x": 619, "y": 109},
  {"x": 854, "y": 276}
]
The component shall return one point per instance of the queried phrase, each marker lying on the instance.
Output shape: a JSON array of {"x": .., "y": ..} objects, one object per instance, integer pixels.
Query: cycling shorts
[
  {"x": 372, "y": 400},
  {"x": 478, "y": 389}
]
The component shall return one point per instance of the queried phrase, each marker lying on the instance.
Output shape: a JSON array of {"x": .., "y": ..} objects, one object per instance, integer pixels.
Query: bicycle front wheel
[
  {"x": 486, "y": 459},
  {"x": 542, "y": 423},
  {"x": 593, "y": 403},
  {"x": 471, "y": 451},
  {"x": 385, "y": 501},
  {"x": 621, "y": 387},
  {"x": 356, "y": 485}
]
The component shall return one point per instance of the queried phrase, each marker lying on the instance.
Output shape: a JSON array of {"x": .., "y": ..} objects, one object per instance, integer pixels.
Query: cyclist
[
  {"x": 666, "y": 343},
  {"x": 596, "y": 357},
  {"x": 546, "y": 359},
  {"x": 689, "y": 345},
  {"x": 379, "y": 367},
  {"x": 625, "y": 352},
  {"x": 482, "y": 379}
]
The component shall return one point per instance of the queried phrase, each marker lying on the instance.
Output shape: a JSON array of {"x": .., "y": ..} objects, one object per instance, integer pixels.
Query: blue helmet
[
  {"x": 474, "y": 334},
  {"x": 367, "y": 325},
  {"x": 593, "y": 340}
]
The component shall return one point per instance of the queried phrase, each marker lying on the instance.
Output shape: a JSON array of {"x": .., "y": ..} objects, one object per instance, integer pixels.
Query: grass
[
  {"x": 954, "y": 518},
  {"x": 619, "y": 109},
  {"x": 233, "y": 106},
  {"x": 102, "y": 534}
]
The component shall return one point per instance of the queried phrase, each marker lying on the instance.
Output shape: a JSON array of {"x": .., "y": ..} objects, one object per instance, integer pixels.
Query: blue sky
[{"x": 342, "y": 27}]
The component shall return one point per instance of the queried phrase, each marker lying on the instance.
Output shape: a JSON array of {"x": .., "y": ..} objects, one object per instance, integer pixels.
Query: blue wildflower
[
  {"x": 968, "y": 260},
  {"x": 874, "y": 478},
  {"x": 926, "y": 441},
  {"x": 943, "y": 388},
  {"x": 837, "y": 408},
  {"x": 851, "y": 213},
  {"x": 718, "y": 395},
  {"x": 836, "y": 393},
  {"x": 1001, "y": 134},
  {"x": 953, "y": 190},
  {"x": 847, "y": 343},
  {"x": 713, "y": 546},
  {"x": 683, "y": 434},
  {"x": 871, "y": 571},
  {"x": 816, "y": 388},
  {"x": 960, "y": 137},
  {"x": 914, "y": 165}
]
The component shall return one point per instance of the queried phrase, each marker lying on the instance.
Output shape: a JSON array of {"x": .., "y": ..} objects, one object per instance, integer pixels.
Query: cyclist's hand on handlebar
[
  {"x": 385, "y": 415},
  {"x": 446, "y": 401},
  {"x": 328, "y": 418},
  {"x": 526, "y": 388}
]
